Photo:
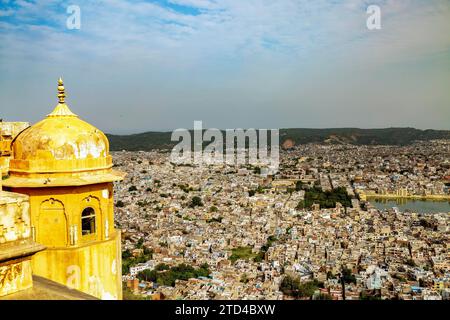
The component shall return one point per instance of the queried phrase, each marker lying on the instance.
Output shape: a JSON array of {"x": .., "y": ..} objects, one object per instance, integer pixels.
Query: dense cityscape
[{"x": 311, "y": 231}]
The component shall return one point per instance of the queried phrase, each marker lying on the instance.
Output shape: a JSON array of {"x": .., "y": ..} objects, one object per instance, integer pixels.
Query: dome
[
  {"x": 61, "y": 149},
  {"x": 61, "y": 137}
]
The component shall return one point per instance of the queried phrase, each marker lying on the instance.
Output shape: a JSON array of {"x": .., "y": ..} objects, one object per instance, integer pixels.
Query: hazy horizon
[
  {"x": 127, "y": 132},
  {"x": 137, "y": 66}
]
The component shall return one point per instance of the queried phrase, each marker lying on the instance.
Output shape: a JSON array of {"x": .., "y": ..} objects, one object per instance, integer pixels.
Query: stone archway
[{"x": 52, "y": 224}]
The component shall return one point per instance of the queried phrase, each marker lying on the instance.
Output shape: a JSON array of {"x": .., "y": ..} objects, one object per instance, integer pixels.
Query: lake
[{"x": 412, "y": 205}]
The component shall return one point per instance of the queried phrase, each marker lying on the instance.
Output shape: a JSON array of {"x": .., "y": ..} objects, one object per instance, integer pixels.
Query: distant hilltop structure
[
  {"x": 288, "y": 144},
  {"x": 8, "y": 131},
  {"x": 56, "y": 215}
]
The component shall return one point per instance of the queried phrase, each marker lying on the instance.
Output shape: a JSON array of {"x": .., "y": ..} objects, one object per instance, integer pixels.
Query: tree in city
[
  {"x": 295, "y": 288},
  {"x": 196, "y": 202}
]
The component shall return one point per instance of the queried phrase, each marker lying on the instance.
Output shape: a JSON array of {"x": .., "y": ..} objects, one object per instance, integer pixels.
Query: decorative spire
[
  {"x": 61, "y": 110},
  {"x": 61, "y": 93}
]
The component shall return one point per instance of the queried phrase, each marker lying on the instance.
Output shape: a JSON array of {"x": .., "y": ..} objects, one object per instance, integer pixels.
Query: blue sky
[{"x": 159, "y": 65}]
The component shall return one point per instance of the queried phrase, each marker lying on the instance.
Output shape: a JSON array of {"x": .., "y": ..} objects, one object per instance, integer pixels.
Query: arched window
[{"x": 88, "y": 221}]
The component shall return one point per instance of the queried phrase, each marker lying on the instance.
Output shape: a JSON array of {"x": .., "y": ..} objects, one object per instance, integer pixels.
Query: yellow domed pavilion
[{"x": 63, "y": 164}]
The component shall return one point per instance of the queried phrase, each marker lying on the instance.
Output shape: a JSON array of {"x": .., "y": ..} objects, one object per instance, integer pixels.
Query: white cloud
[
  {"x": 207, "y": 4},
  {"x": 6, "y": 13},
  {"x": 238, "y": 29},
  {"x": 293, "y": 49}
]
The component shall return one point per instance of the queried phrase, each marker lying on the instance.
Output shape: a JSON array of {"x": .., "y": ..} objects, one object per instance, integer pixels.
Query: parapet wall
[{"x": 16, "y": 244}]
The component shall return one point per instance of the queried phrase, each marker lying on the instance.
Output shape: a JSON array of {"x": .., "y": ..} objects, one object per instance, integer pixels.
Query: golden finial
[
  {"x": 61, "y": 110},
  {"x": 61, "y": 94}
]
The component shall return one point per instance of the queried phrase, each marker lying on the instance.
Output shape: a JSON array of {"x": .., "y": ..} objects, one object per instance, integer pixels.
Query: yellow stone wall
[
  {"x": 93, "y": 268},
  {"x": 15, "y": 276},
  {"x": 56, "y": 223},
  {"x": 4, "y": 164},
  {"x": 14, "y": 217},
  {"x": 16, "y": 244}
]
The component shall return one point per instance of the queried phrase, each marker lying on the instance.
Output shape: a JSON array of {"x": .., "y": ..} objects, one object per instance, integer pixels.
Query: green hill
[{"x": 390, "y": 136}]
